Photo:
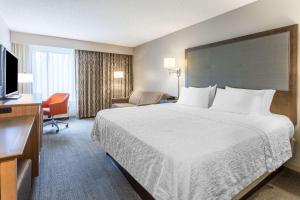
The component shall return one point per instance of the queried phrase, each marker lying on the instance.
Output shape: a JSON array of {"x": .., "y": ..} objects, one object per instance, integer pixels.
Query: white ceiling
[{"x": 121, "y": 22}]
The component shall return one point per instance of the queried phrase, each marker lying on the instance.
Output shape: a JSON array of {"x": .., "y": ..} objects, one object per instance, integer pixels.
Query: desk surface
[
  {"x": 14, "y": 133},
  {"x": 25, "y": 99}
]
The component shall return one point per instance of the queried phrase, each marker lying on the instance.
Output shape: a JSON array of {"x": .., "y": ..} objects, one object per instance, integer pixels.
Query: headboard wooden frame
[{"x": 284, "y": 102}]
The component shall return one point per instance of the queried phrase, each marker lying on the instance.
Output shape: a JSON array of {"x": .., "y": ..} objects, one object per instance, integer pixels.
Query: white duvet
[{"x": 179, "y": 153}]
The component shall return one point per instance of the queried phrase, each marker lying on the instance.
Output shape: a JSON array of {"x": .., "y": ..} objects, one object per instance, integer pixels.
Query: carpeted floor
[
  {"x": 284, "y": 186},
  {"x": 74, "y": 168}
]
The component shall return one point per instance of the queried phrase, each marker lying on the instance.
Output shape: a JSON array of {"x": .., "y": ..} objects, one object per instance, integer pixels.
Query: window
[{"x": 54, "y": 71}]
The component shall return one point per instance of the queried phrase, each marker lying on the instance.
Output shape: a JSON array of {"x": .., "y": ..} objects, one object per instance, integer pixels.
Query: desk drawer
[{"x": 17, "y": 111}]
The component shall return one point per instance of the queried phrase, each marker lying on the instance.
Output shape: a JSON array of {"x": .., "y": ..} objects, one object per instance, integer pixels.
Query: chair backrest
[
  {"x": 145, "y": 97},
  {"x": 58, "y": 104},
  {"x": 59, "y": 98}
]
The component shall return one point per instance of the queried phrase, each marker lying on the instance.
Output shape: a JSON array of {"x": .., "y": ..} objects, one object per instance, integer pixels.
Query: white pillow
[
  {"x": 212, "y": 94},
  {"x": 194, "y": 97},
  {"x": 236, "y": 102},
  {"x": 266, "y": 98}
]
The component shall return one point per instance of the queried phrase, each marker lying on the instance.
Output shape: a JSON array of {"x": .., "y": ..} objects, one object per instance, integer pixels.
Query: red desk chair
[{"x": 56, "y": 104}]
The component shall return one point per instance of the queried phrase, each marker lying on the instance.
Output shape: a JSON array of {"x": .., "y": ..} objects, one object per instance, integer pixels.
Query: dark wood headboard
[{"x": 265, "y": 60}]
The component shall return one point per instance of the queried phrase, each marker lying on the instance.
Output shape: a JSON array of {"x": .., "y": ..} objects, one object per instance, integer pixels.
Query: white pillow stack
[
  {"x": 198, "y": 97},
  {"x": 234, "y": 100},
  {"x": 243, "y": 101},
  {"x": 266, "y": 97}
]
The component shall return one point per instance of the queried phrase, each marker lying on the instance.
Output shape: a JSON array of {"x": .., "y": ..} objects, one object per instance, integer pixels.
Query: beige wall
[
  {"x": 4, "y": 34},
  {"x": 259, "y": 16},
  {"x": 26, "y": 38}
]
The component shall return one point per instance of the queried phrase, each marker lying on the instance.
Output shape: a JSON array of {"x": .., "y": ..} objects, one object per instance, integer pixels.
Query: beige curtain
[
  {"x": 95, "y": 81},
  {"x": 122, "y": 87},
  {"x": 21, "y": 51}
]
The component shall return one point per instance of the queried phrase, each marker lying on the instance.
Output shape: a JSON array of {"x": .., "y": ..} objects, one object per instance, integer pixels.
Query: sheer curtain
[{"x": 54, "y": 71}]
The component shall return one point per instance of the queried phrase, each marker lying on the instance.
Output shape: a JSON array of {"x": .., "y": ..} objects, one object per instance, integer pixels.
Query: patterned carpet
[
  {"x": 75, "y": 168},
  {"x": 284, "y": 186}
]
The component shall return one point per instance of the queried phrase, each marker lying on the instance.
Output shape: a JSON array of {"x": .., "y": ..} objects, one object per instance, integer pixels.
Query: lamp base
[{"x": 12, "y": 97}]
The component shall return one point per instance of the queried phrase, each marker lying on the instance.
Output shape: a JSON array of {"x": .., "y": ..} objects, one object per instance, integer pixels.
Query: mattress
[{"x": 179, "y": 152}]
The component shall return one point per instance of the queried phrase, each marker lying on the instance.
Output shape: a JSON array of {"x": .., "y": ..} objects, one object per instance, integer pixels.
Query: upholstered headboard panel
[{"x": 257, "y": 61}]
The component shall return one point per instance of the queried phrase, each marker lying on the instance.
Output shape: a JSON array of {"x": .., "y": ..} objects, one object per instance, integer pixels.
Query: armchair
[{"x": 55, "y": 105}]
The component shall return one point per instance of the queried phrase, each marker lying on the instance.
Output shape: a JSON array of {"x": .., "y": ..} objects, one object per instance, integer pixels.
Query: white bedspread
[{"x": 179, "y": 153}]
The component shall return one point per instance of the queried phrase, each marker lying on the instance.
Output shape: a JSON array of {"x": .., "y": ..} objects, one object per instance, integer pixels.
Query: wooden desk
[{"x": 20, "y": 138}]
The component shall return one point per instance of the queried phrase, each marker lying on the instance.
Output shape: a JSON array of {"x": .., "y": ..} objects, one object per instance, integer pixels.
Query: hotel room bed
[
  {"x": 178, "y": 152},
  {"x": 185, "y": 152}
]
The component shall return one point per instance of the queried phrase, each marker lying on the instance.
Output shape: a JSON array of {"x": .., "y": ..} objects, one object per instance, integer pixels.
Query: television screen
[{"x": 11, "y": 78}]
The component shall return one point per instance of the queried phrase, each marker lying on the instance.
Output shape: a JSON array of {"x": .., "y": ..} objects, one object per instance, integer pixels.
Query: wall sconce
[
  {"x": 170, "y": 65},
  {"x": 118, "y": 74}
]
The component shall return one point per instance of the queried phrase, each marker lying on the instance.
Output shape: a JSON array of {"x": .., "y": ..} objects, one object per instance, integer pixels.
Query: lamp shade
[
  {"x": 169, "y": 63},
  {"x": 25, "y": 78},
  {"x": 118, "y": 74}
]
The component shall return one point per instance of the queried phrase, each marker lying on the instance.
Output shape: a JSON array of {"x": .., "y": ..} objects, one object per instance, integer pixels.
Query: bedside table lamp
[{"x": 170, "y": 65}]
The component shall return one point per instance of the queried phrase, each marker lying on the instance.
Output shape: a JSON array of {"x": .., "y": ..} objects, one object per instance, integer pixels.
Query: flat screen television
[{"x": 11, "y": 74}]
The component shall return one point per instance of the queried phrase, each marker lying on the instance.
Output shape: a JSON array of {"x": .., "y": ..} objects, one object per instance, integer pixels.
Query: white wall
[
  {"x": 26, "y": 38},
  {"x": 4, "y": 34},
  {"x": 259, "y": 16}
]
